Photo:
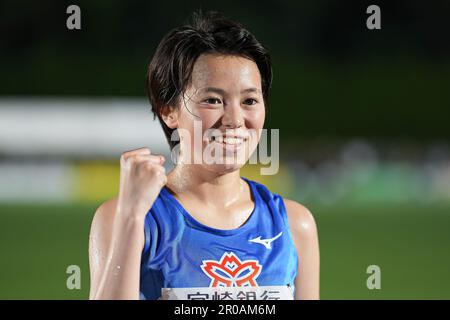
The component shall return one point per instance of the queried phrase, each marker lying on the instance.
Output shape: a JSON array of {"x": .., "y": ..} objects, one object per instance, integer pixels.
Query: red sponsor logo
[{"x": 230, "y": 271}]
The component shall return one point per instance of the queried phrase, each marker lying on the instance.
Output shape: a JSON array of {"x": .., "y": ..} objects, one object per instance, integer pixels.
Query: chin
[{"x": 223, "y": 168}]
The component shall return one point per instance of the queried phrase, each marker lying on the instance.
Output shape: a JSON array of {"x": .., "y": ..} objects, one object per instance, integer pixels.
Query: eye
[
  {"x": 212, "y": 101},
  {"x": 250, "y": 101}
]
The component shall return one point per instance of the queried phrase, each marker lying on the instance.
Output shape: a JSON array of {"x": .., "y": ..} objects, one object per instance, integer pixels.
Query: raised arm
[{"x": 117, "y": 232}]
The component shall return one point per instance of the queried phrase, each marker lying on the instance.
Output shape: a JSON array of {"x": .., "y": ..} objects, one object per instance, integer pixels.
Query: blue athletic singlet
[{"x": 185, "y": 259}]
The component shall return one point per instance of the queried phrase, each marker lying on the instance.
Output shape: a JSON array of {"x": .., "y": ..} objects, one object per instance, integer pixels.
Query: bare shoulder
[
  {"x": 99, "y": 239},
  {"x": 301, "y": 220},
  {"x": 101, "y": 231},
  {"x": 304, "y": 234},
  {"x": 105, "y": 211},
  {"x": 103, "y": 218}
]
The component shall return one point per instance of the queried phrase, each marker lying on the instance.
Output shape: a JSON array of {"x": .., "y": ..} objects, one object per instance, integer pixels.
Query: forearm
[{"x": 120, "y": 277}]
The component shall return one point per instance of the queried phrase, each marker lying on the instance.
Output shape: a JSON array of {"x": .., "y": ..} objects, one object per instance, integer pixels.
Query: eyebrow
[{"x": 223, "y": 92}]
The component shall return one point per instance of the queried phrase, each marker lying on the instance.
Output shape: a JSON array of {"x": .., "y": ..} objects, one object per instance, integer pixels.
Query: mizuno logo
[{"x": 266, "y": 242}]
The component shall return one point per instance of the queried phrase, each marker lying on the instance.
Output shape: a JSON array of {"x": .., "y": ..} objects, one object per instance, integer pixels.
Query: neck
[{"x": 219, "y": 189}]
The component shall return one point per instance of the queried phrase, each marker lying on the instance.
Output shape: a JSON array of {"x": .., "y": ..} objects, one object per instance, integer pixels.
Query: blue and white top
[{"x": 185, "y": 259}]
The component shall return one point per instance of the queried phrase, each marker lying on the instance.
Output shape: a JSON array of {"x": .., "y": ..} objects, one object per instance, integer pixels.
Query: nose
[{"x": 233, "y": 116}]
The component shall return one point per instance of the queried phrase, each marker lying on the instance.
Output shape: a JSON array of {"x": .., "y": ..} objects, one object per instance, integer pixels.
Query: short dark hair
[{"x": 169, "y": 72}]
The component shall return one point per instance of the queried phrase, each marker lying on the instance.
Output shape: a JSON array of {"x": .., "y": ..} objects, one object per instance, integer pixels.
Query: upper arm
[
  {"x": 99, "y": 240},
  {"x": 304, "y": 233}
]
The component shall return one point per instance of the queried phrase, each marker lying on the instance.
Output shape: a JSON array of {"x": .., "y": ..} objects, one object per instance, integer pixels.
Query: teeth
[
  {"x": 233, "y": 140},
  {"x": 228, "y": 140}
]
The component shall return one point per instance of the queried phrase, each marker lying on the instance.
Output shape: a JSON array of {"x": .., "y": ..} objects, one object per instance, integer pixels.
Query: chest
[
  {"x": 228, "y": 218},
  {"x": 254, "y": 258}
]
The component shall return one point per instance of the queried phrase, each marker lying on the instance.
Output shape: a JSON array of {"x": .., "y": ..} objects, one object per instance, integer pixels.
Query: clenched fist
[{"x": 142, "y": 177}]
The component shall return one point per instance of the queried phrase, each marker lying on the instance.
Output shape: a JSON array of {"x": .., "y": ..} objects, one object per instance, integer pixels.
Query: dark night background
[
  {"x": 363, "y": 118},
  {"x": 332, "y": 76}
]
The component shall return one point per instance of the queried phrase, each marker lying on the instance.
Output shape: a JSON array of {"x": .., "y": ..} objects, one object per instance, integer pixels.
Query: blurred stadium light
[{"x": 79, "y": 128}]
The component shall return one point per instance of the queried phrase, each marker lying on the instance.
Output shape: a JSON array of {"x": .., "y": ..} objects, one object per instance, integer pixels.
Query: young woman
[{"x": 202, "y": 231}]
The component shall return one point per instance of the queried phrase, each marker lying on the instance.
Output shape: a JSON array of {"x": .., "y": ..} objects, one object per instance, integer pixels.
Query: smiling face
[{"x": 221, "y": 113}]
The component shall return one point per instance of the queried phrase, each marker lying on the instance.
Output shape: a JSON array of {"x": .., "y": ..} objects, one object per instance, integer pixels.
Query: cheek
[
  {"x": 193, "y": 128},
  {"x": 255, "y": 119},
  {"x": 207, "y": 118}
]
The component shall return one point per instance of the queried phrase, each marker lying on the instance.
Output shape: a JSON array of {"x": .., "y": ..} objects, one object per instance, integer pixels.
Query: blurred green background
[
  {"x": 410, "y": 244},
  {"x": 363, "y": 118}
]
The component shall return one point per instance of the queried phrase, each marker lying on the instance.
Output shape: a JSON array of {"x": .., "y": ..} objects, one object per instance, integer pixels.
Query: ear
[{"x": 169, "y": 114}]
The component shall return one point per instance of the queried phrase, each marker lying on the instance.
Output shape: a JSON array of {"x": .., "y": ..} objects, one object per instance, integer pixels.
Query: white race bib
[{"x": 229, "y": 293}]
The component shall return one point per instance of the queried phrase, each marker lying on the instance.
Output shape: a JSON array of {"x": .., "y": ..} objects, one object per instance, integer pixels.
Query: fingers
[
  {"x": 143, "y": 150},
  {"x": 156, "y": 159},
  {"x": 141, "y": 154}
]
